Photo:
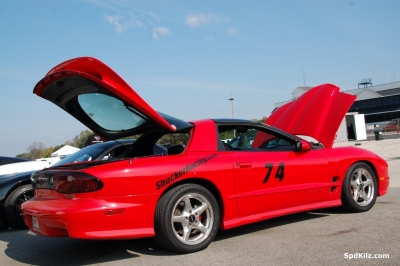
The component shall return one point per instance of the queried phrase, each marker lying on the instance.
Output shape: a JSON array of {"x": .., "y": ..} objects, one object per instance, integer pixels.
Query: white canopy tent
[{"x": 64, "y": 151}]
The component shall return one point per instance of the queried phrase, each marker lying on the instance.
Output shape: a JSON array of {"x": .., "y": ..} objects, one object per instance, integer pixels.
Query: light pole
[{"x": 231, "y": 99}]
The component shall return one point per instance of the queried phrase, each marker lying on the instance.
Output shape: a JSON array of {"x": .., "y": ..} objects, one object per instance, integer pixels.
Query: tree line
[{"x": 39, "y": 150}]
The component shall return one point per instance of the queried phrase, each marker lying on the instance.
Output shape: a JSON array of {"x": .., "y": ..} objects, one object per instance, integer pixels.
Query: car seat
[
  {"x": 243, "y": 141},
  {"x": 175, "y": 149}
]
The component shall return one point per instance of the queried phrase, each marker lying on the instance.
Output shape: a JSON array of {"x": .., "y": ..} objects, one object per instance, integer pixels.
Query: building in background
[{"x": 379, "y": 105}]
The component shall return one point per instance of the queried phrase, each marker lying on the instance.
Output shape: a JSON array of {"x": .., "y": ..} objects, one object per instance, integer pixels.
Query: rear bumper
[{"x": 117, "y": 218}]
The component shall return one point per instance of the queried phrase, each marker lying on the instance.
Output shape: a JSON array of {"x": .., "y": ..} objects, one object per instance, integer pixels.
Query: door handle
[{"x": 244, "y": 165}]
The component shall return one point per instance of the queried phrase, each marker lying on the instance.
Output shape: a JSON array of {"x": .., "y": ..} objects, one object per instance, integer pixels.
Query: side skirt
[{"x": 268, "y": 215}]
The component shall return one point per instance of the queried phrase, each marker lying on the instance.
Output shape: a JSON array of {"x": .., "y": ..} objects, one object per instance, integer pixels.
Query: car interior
[
  {"x": 174, "y": 143},
  {"x": 242, "y": 137}
]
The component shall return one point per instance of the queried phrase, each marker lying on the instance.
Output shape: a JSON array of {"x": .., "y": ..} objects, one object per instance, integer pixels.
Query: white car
[
  {"x": 39, "y": 164},
  {"x": 23, "y": 167}
]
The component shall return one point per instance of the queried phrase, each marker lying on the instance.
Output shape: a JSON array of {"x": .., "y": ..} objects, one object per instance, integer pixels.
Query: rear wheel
[
  {"x": 187, "y": 219},
  {"x": 359, "y": 190},
  {"x": 12, "y": 205}
]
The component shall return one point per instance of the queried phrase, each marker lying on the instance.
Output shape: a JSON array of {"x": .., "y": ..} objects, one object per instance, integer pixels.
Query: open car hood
[
  {"x": 98, "y": 97},
  {"x": 317, "y": 113}
]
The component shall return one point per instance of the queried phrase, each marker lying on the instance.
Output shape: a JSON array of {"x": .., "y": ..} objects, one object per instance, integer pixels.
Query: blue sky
[{"x": 185, "y": 58}]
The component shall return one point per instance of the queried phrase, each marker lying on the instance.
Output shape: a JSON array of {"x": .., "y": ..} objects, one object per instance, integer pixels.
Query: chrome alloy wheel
[
  {"x": 362, "y": 187},
  {"x": 192, "y": 219}
]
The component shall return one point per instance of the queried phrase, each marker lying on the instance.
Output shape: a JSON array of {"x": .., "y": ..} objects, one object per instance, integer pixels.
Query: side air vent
[{"x": 334, "y": 188}]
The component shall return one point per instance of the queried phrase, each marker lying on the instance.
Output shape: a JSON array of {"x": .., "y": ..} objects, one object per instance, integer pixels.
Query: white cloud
[
  {"x": 154, "y": 16},
  {"x": 160, "y": 31},
  {"x": 232, "y": 31},
  {"x": 209, "y": 39},
  {"x": 121, "y": 24},
  {"x": 200, "y": 19}
]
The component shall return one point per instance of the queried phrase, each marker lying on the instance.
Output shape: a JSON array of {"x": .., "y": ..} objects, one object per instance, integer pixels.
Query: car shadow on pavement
[
  {"x": 26, "y": 247},
  {"x": 393, "y": 159},
  {"x": 268, "y": 224}
]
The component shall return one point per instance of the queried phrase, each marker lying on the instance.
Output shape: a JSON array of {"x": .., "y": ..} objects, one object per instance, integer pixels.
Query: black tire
[
  {"x": 12, "y": 205},
  {"x": 359, "y": 189},
  {"x": 194, "y": 210}
]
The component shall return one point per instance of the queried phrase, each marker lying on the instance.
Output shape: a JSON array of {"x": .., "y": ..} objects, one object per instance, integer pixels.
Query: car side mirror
[{"x": 302, "y": 145}]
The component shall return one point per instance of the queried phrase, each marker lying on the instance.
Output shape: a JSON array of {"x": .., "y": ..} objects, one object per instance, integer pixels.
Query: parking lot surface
[{"x": 323, "y": 237}]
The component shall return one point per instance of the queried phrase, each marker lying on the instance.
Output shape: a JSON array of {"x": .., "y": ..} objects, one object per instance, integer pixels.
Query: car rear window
[{"x": 109, "y": 112}]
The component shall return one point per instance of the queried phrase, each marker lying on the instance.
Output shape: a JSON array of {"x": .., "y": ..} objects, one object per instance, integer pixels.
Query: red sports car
[{"x": 202, "y": 184}]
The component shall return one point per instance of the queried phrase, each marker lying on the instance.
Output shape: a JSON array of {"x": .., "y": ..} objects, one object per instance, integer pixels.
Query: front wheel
[
  {"x": 187, "y": 218},
  {"x": 12, "y": 205},
  {"x": 359, "y": 190}
]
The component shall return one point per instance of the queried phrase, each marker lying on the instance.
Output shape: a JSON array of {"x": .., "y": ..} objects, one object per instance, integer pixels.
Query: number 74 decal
[{"x": 280, "y": 172}]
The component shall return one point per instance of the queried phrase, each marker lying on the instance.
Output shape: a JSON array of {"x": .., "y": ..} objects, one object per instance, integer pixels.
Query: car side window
[
  {"x": 155, "y": 143},
  {"x": 242, "y": 138},
  {"x": 114, "y": 153},
  {"x": 174, "y": 139},
  {"x": 237, "y": 137},
  {"x": 277, "y": 144},
  {"x": 174, "y": 142}
]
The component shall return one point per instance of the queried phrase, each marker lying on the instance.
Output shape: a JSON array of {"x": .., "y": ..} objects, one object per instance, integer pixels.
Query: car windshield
[{"x": 88, "y": 153}]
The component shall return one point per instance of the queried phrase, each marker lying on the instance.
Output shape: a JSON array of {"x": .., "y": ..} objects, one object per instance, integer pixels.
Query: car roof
[
  {"x": 8, "y": 160},
  {"x": 234, "y": 120}
]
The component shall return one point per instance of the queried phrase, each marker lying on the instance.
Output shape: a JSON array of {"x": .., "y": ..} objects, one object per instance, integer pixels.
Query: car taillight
[{"x": 68, "y": 182}]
